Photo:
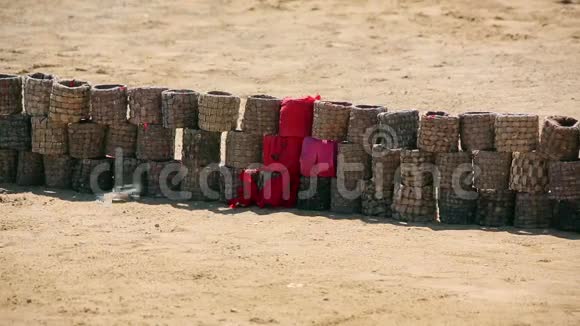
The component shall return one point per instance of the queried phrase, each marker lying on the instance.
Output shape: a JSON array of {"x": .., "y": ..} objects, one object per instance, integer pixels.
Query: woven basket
[
  {"x": 399, "y": 129},
  {"x": 477, "y": 130},
  {"x": 261, "y": 115},
  {"x": 179, "y": 107},
  {"x": 121, "y": 136},
  {"x": 58, "y": 171},
  {"x": 8, "y": 165},
  {"x": 69, "y": 101},
  {"x": 438, "y": 133},
  {"x": 385, "y": 165},
  {"x": 10, "y": 94},
  {"x": 492, "y": 170},
  {"x": 218, "y": 111},
  {"x": 533, "y": 211},
  {"x": 567, "y": 215},
  {"x": 243, "y": 149},
  {"x": 49, "y": 138},
  {"x": 86, "y": 169},
  {"x": 516, "y": 132},
  {"x": 86, "y": 140},
  {"x": 343, "y": 202},
  {"x": 375, "y": 203},
  {"x": 129, "y": 174},
  {"x": 455, "y": 208},
  {"x": 560, "y": 138},
  {"x": 229, "y": 183},
  {"x": 417, "y": 168},
  {"x": 455, "y": 170},
  {"x": 314, "y": 193},
  {"x": 529, "y": 173},
  {"x": 348, "y": 154},
  {"x": 495, "y": 207},
  {"x": 414, "y": 204},
  {"x": 30, "y": 171},
  {"x": 564, "y": 180},
  {"x": 109, "y": 104},
  {"x": 15, "y": 132},
  {"x": 155, "y": 143},
  {"x": 361, "y": 119},
  {"x": 37, "y": 89},
  {"x": 331, "y": 120},
  {"x": 193, "y": 183},
  {"x": 145, "y": 105},
  {"x": 155, "y": 183},
  {"x": 200, "y": 148}
]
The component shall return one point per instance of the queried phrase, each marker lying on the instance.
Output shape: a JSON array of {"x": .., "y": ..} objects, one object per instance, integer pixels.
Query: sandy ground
[{"x": 66, "y": 259}]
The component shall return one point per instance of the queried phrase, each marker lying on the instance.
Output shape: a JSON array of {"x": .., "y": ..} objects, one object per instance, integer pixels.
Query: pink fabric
[
  {"x": 296, "y": 116},
  {"x": 318, "y": 158}
]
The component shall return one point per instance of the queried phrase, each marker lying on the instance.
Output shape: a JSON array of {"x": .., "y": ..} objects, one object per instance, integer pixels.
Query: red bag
[
  {"x": 296, "y": 116},
  {"x": 283, "y": 151},
  {"x": 318, "y": 158},
  {"x": 248, "y": 193},
  {"x": 279, "y": 190}
]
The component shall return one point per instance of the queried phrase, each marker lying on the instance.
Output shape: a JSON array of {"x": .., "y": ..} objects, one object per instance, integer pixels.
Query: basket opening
[
  {"x": 180, "y": 91},
  {"x": 264, "y": 97},
  {"x": 436, "y": 113},
  {"x": 341, "y": 103},
  {"x": 6, "y": 76},
  {"x": 111, "y": 86},
  {"x": 565, "y": 121},
  {"x": 365, "y": 106},
  {"x": 476, "y": 113},
  {"x": 40, "y": 75},
  {"x": 72, "y": 83},
  {"x": 219, "y": 93}
]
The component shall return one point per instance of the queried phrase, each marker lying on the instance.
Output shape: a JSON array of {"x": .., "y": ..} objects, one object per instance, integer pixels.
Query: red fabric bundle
[
  {"x": 283, "y": 151},
  {"x": 318, "y": 158},
  {"x": 296, "y": 116},
  {"x": 248, "y": 193},
  {"x": 279, "y": 190}
]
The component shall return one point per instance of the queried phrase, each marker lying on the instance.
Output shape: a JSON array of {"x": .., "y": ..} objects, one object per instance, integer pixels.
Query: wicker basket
[
  {"x": 314, "y": 193},
  {"x": 457, "y": 208},
  {"x": 130, "y": 174},
  {"x": 145, "y": 105},
  {"x": 533, "y": 211},
  {"x": 193, "y": 183},
  {"x": 109, "y": 104},
  {"x": 529, "y": 173},
  {"x": 455, "y": 170},
  {"x": 229, "y": 183},
  {"x": 516, "y": 132},
  {"x": 345, "y": 196},
  {"x": 69, "y": 101},
  {"x": 8, "y": 165},
  {"x": 375, "y": 203},
  {"x": 179, "y": 107},
  {"x": 261, "y": 115},
  {"x": 49, "y": 138},
  {"x": 438, "y": 133},
  {"x": 399, "y": 129},
  {"x": 10, "y": 94},
  {"x": 156, "y": 184},
  {"x": 417, "y": 168},
  {"x": 37, "y": 89},
  {"x": 495, "y": 207},
  {"x": 492, "y": 170},
  {"x": 477, "y": 130},
  {"x": 362, "y": 118},
  {"x": 15, "y": 132},
  {"x": 560, "y": 138},
  {"x": 385, "y": 165},
  {"x": 200, "y": 148},
  {"x": 30, "y": 171},
  {"x": 564, "y": 180},
  {"x": 414, "y": 204},
  {"x": 243, "y": 149},
  {"x": 86, "y": 140},
  {"x": 353, "y": 154},
  {"x": 218, "y": 111},
  {"x": 121, "y": 136},
  {"x": 567, "y": 215},
  {"x": 86, "y": 169},
  {"x": 331, "y": 120},
  {"x": 155, "y": 143},
  {"x": 58, "y": 171}
]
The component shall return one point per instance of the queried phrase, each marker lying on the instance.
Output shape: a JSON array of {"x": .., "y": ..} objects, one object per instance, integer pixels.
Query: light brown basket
[
  {"x": 155, "y": 143},
  {"x": 564, "y": 180},
  {"x": 492, "y": 170},
  {"x": 69, "y": 101},
  {"x": 37, "y": 89},
  {"x": 179, "y": 107},
  {"x": 348, "y": 154},
  {"x": 121, "y": 136},
  {"x": 261, "y": 115},
  {"x": 560, "y": 138},
  {"x": 331, "y": 120},
  {"x": 438, "y": 132},
  {"x": 10, "y": 94},
  {"x": 414, "y": 204},
  {"x": 417, "y": 168},
  {"x": 243, "y": 149},
  {"x": 529, "y": 173},
  {"x": 218, "y": 111},
  {"x": 455, "y": 170},
  {"x": 49, "y": 138},
  {"x": 86, "y": 140},
  {"x": 477, "y": 130},
  {"x": 363, "y": 117},
  {"x": 145, "y": 105},
  {"x": 109, "y": 104},
  {"x": 516, "y": 132}
]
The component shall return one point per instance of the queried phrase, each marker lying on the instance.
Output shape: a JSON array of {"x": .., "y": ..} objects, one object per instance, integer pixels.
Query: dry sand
[{"x": 66, "y": 259}]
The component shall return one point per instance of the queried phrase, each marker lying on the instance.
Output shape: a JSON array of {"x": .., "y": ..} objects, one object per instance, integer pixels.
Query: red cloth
[
  {"x": 296, "y": 116},
  {"x": 247, "y": 194},
  {"x": 280, "y": 190},
  {"x": 318, "y": 158},
  {"x": 282, "y": 150}
]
